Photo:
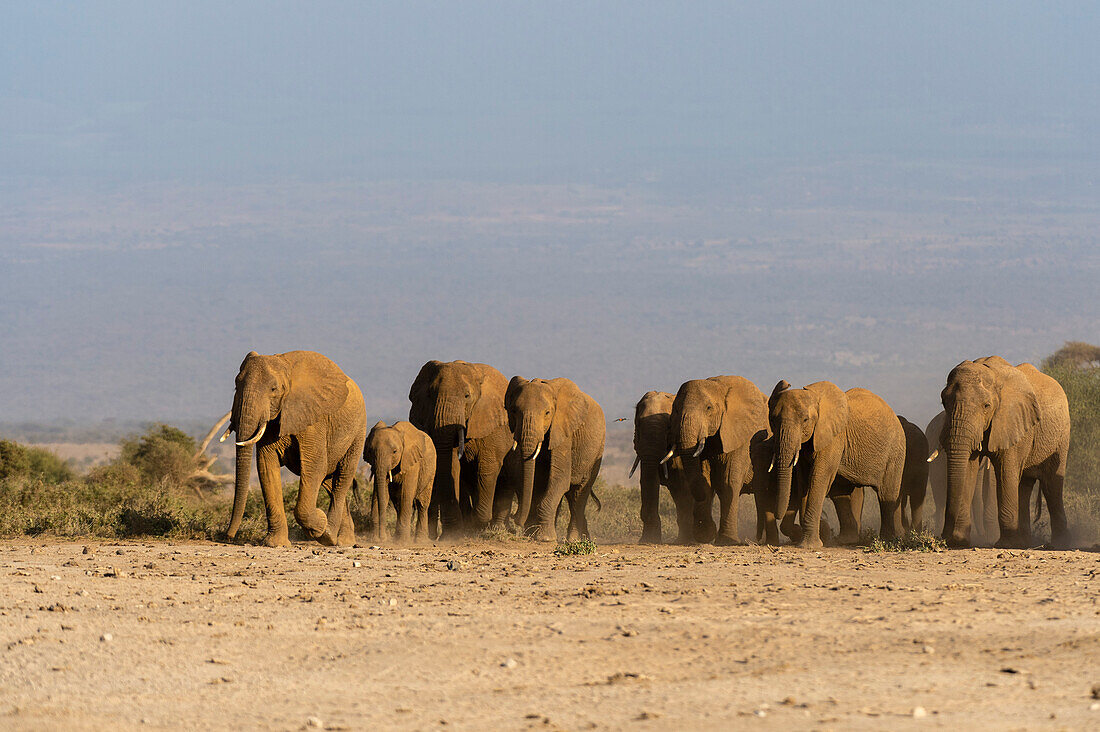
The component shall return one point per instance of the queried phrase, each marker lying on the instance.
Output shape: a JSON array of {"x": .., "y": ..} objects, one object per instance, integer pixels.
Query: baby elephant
[{"x": 402, "y": 459}]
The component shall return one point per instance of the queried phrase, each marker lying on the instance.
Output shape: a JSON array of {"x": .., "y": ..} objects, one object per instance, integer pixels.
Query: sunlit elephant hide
[
  {"x": 721, "y": 423},
  {"x": 559, "y": 436},
  {"x": 461, "y": 407},
  {"x": 652, "y": 415},
  {"x": 1018, "y": 417},
  {"x": 402, "y": 460},
  {"x": 839, "y": 442},
  {"x": 299, "y": 411}
]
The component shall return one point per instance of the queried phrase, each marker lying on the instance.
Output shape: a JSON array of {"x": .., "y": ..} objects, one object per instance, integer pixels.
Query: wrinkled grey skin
[
  {"x": 299, "y": 411},
  {"x": 983, "y": 507}
]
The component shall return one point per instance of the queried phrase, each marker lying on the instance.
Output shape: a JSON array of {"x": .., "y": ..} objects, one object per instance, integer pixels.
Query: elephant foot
[
  {"x": 545, "y": 535},
  {"x": 650, "y": 536},
  {"x": 956, "y": 542},
  {"x": 1061, "y": 540},
  {"x": 277, "y": 539},
  {"x": 723, "y": 540},
  {"x": 848, "y": 538},
  {"x": 810, "y": 542}
]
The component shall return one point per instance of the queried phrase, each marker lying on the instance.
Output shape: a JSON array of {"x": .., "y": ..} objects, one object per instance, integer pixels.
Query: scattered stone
[
  {"x": 647, "y": 715},
  {"x": 315, "y": 722},
  {"x": 357, "y": 564},
  {"x": 919, "y": 713},
  {"x": 86, "y": 550},
  {"x": 927, "y": 649},
  {"x": 509, "y": 663},
  {"x": 106, "y": 638},
  {"x": 1095, "y": 692}
]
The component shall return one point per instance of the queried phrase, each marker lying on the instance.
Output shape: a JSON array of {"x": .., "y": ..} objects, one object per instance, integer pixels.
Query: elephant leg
[
  {"x": 409, "y": 482},
  {"x": 271, "y": 483},
  {"x": 583, "y": 495},
  {"x": 341, "y": 481},
  {"x": 704, "y": 529},
  {"x": 312, "y": 519},
  {"x": 917, "y": 497},
  {"x": 821, "y": 478},
  {"x": 849, "y": 510},
  {"x": 1026, "y": 486},
  {"x": 1051, "y": 485},
  {"x": 433, "y": 520},
  {"x": 571, "y": 531},
  {"x": 988, "y": 487},
  {"x": 651, "y": 497},
  {"x": 727, "y": 480},
  {"x": 421, "y": 522},
  {"x": 556, "y": 487},
  {"x": 889, "y": 499},
  {"x": 1008, "y": 497},
  {"x": 502, "y": 507},
  {"x": 346, "y": 537},
  {"x": 484, "y": 492},
  {"x": 685, "y": 514}
]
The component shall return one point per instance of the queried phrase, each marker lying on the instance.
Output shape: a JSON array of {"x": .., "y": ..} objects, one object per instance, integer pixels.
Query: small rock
[
  {"x": 919, "y": 713},
  {"x": 315, "y": 722},
  {"x": 927, "y": 649},
  {"x": 1095, "y": 692},
  {"x": 393, "y": 601},
  {"x": 761, "y": 712},
  {"x": 357, "y": 564},
  {"x": 1094, "y": 707},
  {"x": 106, "y": 638},
  {"x": 452, "y": 565},
  {"x": 509, "y": 663},
  {"x": 87, "y": 550}
]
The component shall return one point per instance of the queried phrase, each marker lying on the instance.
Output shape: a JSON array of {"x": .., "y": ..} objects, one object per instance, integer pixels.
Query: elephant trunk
[
  {"x": 691, "y": 434},
  {"x": 526, "y": 491},
  {"x": 787, "y": 444},
  {"x": 529, "y": 438},
  {"x": 961, "y": 440},
  {"x": 381, "y": 501},
  {"x": 448, "y": 412},
  {"x": 240, "y": 490}
]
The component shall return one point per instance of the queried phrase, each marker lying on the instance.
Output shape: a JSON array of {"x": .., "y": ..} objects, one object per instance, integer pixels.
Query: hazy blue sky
[{"x": 631, "y": 194}]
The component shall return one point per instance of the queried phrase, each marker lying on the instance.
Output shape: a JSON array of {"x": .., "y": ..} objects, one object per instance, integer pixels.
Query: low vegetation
[
  {"x": 912, "y": 541},
  {"x": 572, "y": 548}
]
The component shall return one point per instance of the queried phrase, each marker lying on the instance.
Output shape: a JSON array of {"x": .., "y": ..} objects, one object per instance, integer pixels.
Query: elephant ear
[
  {"x": 514, "y": 386},
  {"x": 568, "y": 414},
  {"x": 745, "y": 413},
  {"x": 420, "y": 412},
  {"x": 780, "y": 387},
  {"x": 488, "y": 413},
  {"x": 1018, "y": 410},
  {"x": 412, "y": 447},
  {"x": 317, "y": 387},
  {"x": 832, "y": 414}
]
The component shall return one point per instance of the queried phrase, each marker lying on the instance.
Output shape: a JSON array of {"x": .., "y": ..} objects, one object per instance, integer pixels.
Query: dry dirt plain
[{"x": 508, "y": 636}]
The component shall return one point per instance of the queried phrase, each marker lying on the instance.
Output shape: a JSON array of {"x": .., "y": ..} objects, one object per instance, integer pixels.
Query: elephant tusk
[
  {"x": 225, "y": 435},
  {"x": 664, "y": 471},
  {"x": 256, "y": 437},
  {"x": 772, "y": 466},
  {"x": 538, "y": 449},
  {"x": 635, "y": 466},
  {"x": 514, "y": 444},
  {"x": 699, "y": 448},
  {"x": 668, "y": 457},
  {"x": 935, "y": 454},
  {"x": 461, "y": 442},
  {"x": 794, "y": 462},
  {"x": 389, "y": 475}
]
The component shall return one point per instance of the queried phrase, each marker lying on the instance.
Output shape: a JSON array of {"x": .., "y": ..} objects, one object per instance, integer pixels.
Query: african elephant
[
  {"x": 651, "y": 428},
  {"x": 849, "y": 440},
  {"x": 402, "y": 459},
  {"x": 1018, "y": 417},
  {"x": 461, "y": 407},
  {"x": 300, "y": 411},
  {"x": 983, "y": 507},
  {"x": 721, "y": 423},
  {"x": 914, "y": 476},
  {"x": 557, "y": 419}
]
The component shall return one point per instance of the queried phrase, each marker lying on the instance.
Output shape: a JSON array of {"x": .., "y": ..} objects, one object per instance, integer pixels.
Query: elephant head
[
  {"x": 541, "y": 414},
  {"x": 383, "y": 451},
  {"x": 454, "y": 402},
  {"x": 989, "y": 406},
  {"x": 817, "y": 413},
  {"x": 276, "y": 396}
]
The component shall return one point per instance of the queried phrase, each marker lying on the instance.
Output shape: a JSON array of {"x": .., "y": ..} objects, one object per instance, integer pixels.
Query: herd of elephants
[{"x": 481, "y": 451}]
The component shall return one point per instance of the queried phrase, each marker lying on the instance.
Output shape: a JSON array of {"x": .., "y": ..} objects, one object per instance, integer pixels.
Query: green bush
[
  {"x": 20, "y": 461},
  {"x": 913, "y": 541},
  {"x": 571, "y": 548},
  {"x": 162, "y": 453}
]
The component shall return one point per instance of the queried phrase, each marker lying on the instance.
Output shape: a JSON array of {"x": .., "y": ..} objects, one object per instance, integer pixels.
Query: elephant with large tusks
[
  {"x": 720, "y": 425},
  {"x": 845, "y": 441},
  {"x": 652, "y": 416},
  {"x": 556, "y": 419},
  {"x": 1018, "y": 417},
  {"x": 402, "y": 460},
  {"x": 461, "y": 407},
  {"x": 983, "y": 507},
  {"x": 299, "y": 411}
]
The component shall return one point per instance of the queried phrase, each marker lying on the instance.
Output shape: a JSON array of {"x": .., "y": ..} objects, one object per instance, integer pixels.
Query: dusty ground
[{"x": 507, "y": 636}]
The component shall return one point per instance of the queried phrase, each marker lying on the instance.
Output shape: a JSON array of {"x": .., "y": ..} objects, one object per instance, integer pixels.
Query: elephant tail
[
  {"x": 1038, "y": 505},
  {"x": 594, "y": 497},
  {"x": 355, "y": 490}
]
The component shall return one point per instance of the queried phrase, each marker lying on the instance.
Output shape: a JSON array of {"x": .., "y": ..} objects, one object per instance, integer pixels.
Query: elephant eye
[
  {"x": 988, "y": 405},
  {"x": 467, "y": 395},
  {"x": 274, "y": 388}
]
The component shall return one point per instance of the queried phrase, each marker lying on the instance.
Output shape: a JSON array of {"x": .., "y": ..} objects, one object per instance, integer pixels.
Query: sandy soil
[{"x": 508, "y": 636}]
